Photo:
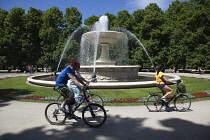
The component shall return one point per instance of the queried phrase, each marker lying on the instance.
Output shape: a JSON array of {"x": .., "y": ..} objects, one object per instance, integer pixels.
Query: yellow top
[{"x": 159, "y": 78}]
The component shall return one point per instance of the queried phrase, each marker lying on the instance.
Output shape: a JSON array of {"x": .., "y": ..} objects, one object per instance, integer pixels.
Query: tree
[
  {"x": 178, "y": 35},
  {"x": 72, "y": 23},
  {"x": 188, "y": 34},
  {"x": 3, "y": 15},
  {"x": 199, "y": 26},
  {"x": 91, "y": 20},
  {"x": 148, "y": 28},
  {"x": 32, "y": 42},
  {"x": 73, "y": 19},
  {"x": 50, "y": 32},
  {"x": 124, "y": 20},
  {"x": 14, "y": 36}
]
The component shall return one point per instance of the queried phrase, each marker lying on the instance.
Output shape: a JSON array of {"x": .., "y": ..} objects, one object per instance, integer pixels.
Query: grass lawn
[{"x": 19, "y": 86}]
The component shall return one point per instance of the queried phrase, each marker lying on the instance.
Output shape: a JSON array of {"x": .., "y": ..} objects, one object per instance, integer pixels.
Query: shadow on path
[{"x": 117, "y": 128}]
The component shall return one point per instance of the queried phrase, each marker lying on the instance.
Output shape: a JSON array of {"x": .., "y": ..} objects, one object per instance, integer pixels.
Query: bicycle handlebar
[{"x": 179, "y": 81}]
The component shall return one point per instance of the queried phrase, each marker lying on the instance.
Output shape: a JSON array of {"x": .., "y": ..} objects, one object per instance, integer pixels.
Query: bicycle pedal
[{"x": 74, "y": 117}]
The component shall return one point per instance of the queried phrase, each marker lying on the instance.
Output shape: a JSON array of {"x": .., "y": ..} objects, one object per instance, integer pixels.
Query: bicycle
[
  {"x": 182, "y": 102},
  {"x": 93, "y": 98},
  {"x": 94, "y": 115}
]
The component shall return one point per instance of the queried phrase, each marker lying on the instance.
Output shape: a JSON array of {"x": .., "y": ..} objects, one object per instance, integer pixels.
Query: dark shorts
[
  {"x": 63, "y": 90},
  {"x": 161, "y": 85}
]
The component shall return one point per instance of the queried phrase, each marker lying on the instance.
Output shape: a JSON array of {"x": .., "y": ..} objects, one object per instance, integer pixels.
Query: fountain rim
[
  {"x": 89, "y": 34},
  {"x": 112, "y": 66},
  {"x": 107, "y": 31},
  {"x": 108, "y": 85}
]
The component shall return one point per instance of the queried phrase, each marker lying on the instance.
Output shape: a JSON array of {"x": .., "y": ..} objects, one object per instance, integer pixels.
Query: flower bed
[
  {"x": 106, "y": 100},
  {"x": 200, "y": 94}
]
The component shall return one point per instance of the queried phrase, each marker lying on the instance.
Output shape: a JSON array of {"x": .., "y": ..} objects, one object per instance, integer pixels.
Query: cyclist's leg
[
  {"x": 72, "y": 115},
  {"x": 68, "y": 96},
  {"x": 77, "y": 91},
  {"x": 167, "y": 90}
]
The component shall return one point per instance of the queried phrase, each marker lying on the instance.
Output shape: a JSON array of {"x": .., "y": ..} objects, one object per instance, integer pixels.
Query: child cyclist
[
  {"x": 76, "y": 89},
  {"x": 161, "y": 81}
]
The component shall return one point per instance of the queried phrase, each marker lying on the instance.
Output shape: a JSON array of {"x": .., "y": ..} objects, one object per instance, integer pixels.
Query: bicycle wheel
[
  {"x": 182, "y": 103},
  {"x": 154, "y": 103},
  {"x": 94, "y": 115},
  {"x": 96, "y": 99},
  {"x": 53, "y": 115}
]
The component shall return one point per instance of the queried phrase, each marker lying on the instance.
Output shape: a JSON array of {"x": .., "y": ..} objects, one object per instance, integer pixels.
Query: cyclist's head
[
  {"x": 74, "y": 65},
  {"x": 160, "y": 68}
]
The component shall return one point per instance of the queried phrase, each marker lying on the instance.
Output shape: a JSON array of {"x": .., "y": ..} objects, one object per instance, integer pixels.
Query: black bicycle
[
  {"x": 93, "y": 98},
  {"x": 94, "y": 115},
  {"x": 182, "y": 102}
]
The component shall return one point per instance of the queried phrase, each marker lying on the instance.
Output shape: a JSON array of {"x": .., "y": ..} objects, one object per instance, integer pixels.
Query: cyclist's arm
[
  {"x": 80, "y": 80},
  {"x": 83, "y": 79},
  {"x": 166, "y": 80}
]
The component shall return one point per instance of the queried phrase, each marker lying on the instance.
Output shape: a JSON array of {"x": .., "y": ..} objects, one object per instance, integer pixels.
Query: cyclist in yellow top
[{"x": 161, "y": 81}]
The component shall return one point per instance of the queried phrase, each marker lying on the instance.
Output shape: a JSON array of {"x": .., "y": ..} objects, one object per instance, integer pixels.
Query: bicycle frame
[
  {"x": 82, "y": 101},
  {"x": 181, "y": 101},
  {"x": 171, "y": 98}
]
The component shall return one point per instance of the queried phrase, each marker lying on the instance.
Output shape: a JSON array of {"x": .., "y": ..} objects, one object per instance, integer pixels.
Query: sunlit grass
[{"x": 19, "y": 86}]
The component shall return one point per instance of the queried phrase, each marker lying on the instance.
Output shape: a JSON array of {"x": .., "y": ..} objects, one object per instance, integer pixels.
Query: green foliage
[
  {"x": 73, "y": 19},
  {"x": 91, "y": 20},
  {"x": 178, "y": 37},
  {"x": 14, "y": 35}
]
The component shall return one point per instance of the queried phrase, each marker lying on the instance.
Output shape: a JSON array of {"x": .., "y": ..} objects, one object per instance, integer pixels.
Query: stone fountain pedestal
[
  {"x": 104, "y": 39},
  {"x": 105, "y": 68}
]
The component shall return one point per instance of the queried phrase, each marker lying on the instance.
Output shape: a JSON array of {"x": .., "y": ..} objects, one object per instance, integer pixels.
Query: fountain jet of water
[
  {"x": 101, "y": 25},
  {"x": 67, "y": 43},
  {"x": 128, "y": 32}
]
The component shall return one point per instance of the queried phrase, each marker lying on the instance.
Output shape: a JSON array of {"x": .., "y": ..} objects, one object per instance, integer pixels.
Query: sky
[{"x": 86, "y": 7}]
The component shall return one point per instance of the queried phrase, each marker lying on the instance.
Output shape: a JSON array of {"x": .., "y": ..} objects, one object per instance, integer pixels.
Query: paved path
[{"x": 26, "y": 121}]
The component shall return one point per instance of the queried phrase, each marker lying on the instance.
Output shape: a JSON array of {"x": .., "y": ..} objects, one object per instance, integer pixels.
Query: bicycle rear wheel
[
  {"x": 96, "y": 99},
  {"x": 54, "y": 115},
  {"x": 94, "y": 115},
  {"x": 154, "y": 103},
  {"x": 182, "y": 103}
]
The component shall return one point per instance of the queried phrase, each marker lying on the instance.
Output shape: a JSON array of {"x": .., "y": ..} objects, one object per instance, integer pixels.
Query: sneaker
[
  {"x": 164, "y": 99},
  {"x": 73, "y": 116}
]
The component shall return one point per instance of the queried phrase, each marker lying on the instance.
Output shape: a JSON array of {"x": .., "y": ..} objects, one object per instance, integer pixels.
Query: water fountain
[
  {"x": 104, "y": 67},
  {"x": 110, "y": 74}
]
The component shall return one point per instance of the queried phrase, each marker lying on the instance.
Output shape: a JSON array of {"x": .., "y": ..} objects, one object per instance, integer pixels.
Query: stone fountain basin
[
  {"x": 105, "y": 37},
  {"x": 109, "y": 85},
  {"x": 111, "y": 72}
]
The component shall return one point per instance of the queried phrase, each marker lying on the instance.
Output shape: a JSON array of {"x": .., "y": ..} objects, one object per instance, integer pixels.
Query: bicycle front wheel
[
  {"x": 154, "y": 103},
  {"x": 96, "y": 99},
  {"x": 182, "y": 103},
  {"x": 94, "y": 115},
  {"x": 54, "y": 115}
]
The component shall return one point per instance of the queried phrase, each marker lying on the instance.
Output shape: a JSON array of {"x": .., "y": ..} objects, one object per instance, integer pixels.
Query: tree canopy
[{"x": 178, "y": 37}]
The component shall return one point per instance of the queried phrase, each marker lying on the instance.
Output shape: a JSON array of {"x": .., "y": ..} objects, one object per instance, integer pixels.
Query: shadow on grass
[
  {"x": 117, "y": 128},
  {"x": 11, "y": 93}
]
